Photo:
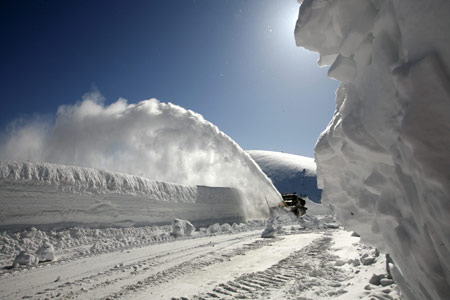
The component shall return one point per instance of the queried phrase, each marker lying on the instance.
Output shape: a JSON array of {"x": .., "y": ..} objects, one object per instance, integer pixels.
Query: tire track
[
  {"x": 300, "y": 271},
  {"x": 198, "y": 262},
  {"x": 157, "y": 265}
]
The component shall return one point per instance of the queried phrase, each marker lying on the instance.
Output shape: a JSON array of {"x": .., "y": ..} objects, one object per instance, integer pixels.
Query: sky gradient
[{"x": 235, "y": 62}]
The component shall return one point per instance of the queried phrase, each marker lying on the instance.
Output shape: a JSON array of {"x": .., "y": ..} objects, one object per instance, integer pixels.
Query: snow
[
  {"x": 182, "y": 227},
  {"x": 272, "y": 228},
  {"x": 383, "y": 160},
  {"x": 297, "y": 262},
  {"x": 289, "y": 173},
  {"x": 46, "y": 252},
  {"x": 26, "y": 258},
  {"x": 57, "y": 196},
  {"x": 158, "y": 141}
]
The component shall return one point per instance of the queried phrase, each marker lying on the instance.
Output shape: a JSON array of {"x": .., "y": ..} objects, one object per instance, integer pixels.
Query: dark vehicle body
[{"x": 296, "y": 203}]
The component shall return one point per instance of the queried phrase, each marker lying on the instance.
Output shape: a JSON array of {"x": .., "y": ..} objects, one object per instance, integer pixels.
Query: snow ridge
[
  {"x": 91, "y": 181},
  {"x": 48, "y": 195}
]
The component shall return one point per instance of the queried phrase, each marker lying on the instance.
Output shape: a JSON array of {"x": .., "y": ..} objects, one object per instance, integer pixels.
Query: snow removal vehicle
[{"x": 296, "y": 203}]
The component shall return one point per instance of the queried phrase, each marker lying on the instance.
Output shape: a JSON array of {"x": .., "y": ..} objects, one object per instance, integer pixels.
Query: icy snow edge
[{"x": 383, "y": 161}]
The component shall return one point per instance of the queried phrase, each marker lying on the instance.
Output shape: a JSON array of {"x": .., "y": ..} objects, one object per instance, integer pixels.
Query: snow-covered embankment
[
  {"x": 383, "y": 161},
  {"x": 50, "y": 195}
]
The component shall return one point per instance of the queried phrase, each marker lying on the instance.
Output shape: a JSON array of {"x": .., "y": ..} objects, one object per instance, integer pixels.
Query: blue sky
[{"x": 235, "y": 62}]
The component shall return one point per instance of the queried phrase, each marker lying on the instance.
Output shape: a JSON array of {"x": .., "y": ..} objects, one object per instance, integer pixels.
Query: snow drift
[
  {"x": 289, "y": 173},
  {"x": 383, "y": 160},
  {"x": 150, "y": 139}
]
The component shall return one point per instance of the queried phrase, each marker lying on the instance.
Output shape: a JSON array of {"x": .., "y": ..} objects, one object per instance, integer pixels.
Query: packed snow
[
  {"x": 383, "y": 161},
  {"x": 289, "y": 173},
  {"x": 150, "y": 139},
  {"x": 303, "y": 258}
]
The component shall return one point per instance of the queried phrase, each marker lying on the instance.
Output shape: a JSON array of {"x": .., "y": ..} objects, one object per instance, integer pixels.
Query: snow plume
[
  {"x": 383, "y": 161},
  {"x": 158, "y": 141}
]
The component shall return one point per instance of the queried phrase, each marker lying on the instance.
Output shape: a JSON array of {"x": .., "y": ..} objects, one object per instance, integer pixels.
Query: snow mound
[
  {"x": 289, "y": 173},
  {"x": 159, "y": 141},
  {"x": 383, "y": 160}
]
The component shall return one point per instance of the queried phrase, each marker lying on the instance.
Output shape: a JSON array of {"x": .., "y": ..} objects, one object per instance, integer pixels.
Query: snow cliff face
[
  {"x": 150, "y": 139},
  {"x": 289, "y": 173},
  {"x": 384, "y": 159}
]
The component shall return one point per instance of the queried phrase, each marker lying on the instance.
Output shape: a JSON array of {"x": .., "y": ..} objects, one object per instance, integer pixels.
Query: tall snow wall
[
  {"x": 150, "y": 139},
  {"x": 384, "y": 159},
  {"x": 48, "y": 195}
]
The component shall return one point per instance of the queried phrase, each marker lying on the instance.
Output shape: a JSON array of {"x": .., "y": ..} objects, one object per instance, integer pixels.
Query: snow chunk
[
  {"x": 25, "y": 258},
  {"x": 308, "y": 221},
  {"x": 273, "y": 227},
  {"x": 46, "y": 252},
  {"x": 343, "y": 69},
  {"x": 214, "y": 228},
  {"x": 182, "y": 228},
  {"x": 225, "y": 227}
]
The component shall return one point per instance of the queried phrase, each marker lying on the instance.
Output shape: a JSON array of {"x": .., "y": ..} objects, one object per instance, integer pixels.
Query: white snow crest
[
  {"x": 91, "y": 181},
  {"x": 383, "y": 161},
  {"x": 158, "y": 141}
]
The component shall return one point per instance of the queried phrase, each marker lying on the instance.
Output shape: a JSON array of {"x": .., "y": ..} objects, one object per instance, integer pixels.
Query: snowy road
[{"x": 229, "y": 266}]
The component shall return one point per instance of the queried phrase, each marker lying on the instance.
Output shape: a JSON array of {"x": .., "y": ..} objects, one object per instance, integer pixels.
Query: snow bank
[
  {"x": 49, "y": 195},
  {"x": 383, "y": 161},
  {"x": 79, "y": 180},
  {"x": 289, "y": 173},
  {"x": 150, "y": 139}
]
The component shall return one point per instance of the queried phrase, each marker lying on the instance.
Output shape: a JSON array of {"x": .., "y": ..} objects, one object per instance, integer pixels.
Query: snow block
[
  {"x": 272, "y": 228},
  {"x": 25, "y": 258},
  {"x": 214, "y": 228},
  {"x": 225, "y": 227},
  {"x": 343, "y": 69},
  {"x": 46, "y": 252},
  {"x": 182, "y": 228}
]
